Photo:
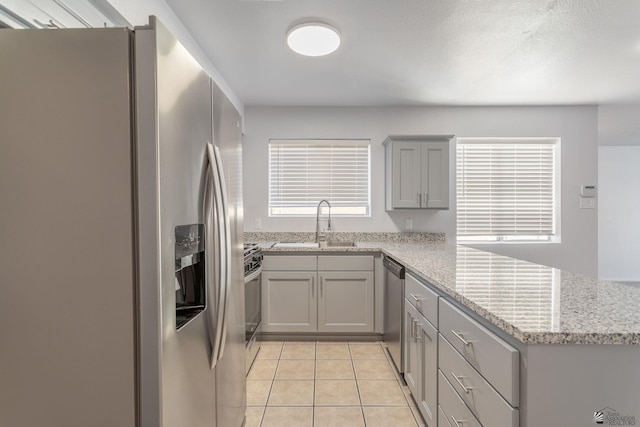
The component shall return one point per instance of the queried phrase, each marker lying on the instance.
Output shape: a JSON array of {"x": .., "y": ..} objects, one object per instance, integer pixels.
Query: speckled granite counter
[{"x": 533, "y": 303}]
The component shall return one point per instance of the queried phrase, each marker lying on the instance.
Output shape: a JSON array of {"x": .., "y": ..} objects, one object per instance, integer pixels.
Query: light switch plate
[
  {"x": 257, "y": 224},
  {"x": 408, "y": 224}
]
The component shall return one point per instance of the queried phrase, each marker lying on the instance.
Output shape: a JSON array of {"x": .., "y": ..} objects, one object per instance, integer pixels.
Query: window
[
  {"x": 303, "y": 172},
  {"x": 507, "y": 189}
]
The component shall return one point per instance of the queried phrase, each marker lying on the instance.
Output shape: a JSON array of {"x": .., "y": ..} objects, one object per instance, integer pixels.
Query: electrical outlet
[
  {"x": 587, "y": 203},
  {"x": 257, "y": 224},
  {"x": 408, "y": 224}
]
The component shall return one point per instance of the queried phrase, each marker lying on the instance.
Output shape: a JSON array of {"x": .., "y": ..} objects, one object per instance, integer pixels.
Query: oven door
[{"x": 253, "y": 304}]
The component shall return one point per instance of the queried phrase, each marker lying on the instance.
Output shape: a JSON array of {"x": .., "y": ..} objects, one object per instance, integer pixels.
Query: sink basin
[
  {"x": 295, "y": 245},
  {"x": 313, "y": 244},
  {"x": 337, "y": 244}
]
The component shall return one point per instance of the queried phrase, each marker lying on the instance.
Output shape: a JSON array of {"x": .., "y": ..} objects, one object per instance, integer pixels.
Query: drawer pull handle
[
  {"x": 459, "y": 336},
  {"x": 458, "y": 379},
  {"x": 458, "y": 422},
  {"x": 413, "y": 329},
  {"x": 416, "y": 298}
]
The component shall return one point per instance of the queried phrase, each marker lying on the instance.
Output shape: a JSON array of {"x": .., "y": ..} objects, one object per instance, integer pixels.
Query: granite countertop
[{"x": 533, "y": 303}]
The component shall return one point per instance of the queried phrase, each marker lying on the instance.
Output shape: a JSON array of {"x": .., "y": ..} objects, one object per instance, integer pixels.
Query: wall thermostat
[{"x": 588, "y": 191}]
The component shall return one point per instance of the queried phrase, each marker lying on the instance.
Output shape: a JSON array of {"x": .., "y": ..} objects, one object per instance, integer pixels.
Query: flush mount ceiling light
[{"x": 313, "y": 39}]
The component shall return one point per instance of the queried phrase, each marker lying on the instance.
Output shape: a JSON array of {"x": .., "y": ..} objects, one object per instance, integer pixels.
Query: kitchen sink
[
  {"x": 295, "y": 245},
  {"x": 337, "y": 244},
  {"x": 330, "y": 244}
]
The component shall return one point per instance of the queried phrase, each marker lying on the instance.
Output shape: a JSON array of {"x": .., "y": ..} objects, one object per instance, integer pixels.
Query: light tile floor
[{"x": 327, "y": 384}]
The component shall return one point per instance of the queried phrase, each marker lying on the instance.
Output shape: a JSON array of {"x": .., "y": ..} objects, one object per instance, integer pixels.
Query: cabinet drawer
[
  {"x": 497, "y": 361},
  {"x": 290, "y": 262},
  {"x": 444, "y": 417},
  {"x": 422, "y": 298},
  {"x": 345, "y": 262},
  {"x": 482, "y": 399},
  {"x": 453, "y": 411}
]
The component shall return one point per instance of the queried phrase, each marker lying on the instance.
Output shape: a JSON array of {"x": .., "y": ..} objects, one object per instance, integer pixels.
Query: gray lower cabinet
[
  {"x": 480, "y": 368},
  {"x": 479, "y": 395},
  {"x": 459, "y": 373},
  {"x": 345, "y": 302},
  {"x": 487, "y": 378},
  {"x": 411, "y": 357},
  {"x": 497, "y": 361},
  {"x": 427, "y": 385},
  {"x": 336, "y": 297},
  {"x": 421, "y": 347},
  {"x": 421, "y": 362},
  {"x": 289, "y": 302},
  {"x": 452, "y": 409}
]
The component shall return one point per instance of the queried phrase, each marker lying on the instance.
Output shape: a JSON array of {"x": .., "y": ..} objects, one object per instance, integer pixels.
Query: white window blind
[
  {"x": 507, "y": 189},
  {"x": 519, "y": 292},
  {"x": 303, "y": 172}
]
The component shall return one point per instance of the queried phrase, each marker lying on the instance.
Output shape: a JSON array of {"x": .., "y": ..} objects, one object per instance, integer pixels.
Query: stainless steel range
[{"x": 253, "y": 299}]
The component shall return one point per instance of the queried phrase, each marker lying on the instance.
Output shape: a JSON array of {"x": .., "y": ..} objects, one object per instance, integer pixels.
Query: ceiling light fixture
[{"x": 313, "y": 39}]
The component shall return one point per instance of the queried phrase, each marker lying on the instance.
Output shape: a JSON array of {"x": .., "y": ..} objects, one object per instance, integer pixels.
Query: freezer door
[{"x": 174, "y": 126}]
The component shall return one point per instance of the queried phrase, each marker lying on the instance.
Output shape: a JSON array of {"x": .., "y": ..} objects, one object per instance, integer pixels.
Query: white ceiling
[{"x": 425, "y": 52}]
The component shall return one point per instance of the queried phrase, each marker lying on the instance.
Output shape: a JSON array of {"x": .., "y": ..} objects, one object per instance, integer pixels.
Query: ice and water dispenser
[{"x": 190, "y": 279}]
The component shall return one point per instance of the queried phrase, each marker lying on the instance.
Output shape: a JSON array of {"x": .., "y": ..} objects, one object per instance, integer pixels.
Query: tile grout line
[
  {"x": 355, "y": 377},
  {"x": 273, "y": 378},
  {"x": 313, "y": 400}
]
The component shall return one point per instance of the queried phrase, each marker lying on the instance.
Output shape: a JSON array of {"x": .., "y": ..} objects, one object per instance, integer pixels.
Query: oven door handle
[{"x": 253, "y": 275}]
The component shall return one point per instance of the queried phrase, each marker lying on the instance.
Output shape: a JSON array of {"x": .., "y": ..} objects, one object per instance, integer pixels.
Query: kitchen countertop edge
[{"x": 392, "y": 250}]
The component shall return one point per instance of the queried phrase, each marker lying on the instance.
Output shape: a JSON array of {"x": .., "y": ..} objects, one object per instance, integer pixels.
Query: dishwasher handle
[{"x": 393, "y": 267}]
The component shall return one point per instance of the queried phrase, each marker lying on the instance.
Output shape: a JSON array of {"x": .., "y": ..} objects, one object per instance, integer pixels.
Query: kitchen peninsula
[{"x": 577, "y": 338}]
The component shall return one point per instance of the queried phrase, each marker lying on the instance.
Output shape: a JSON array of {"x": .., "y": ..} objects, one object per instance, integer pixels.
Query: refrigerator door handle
[
  {"x": 215, "y": 290},
  {"x": 209, "y": 268},
  {"x": 226, "y": 247}
]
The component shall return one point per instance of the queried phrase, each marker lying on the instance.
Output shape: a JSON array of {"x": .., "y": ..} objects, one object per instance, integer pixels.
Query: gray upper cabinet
[{"x": 417, "y": 171}]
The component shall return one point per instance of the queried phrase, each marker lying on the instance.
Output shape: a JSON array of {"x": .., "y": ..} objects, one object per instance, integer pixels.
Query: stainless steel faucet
[{"x": 321, "y": 236}]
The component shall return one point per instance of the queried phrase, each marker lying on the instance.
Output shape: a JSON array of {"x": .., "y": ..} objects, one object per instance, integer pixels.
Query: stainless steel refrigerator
[{"x": 121, "y": 295}]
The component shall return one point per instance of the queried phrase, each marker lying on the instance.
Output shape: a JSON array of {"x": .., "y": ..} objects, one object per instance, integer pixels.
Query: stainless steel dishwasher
[{"x": 393, "y": 310}]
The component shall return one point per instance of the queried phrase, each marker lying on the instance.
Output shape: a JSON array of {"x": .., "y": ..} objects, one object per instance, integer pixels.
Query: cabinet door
[
  {"x": 427, "y": 337},
  {"x": 406, "y": 174},
  {"x": 435, "y": 175},
  {"x": 411, "y": 354},
  {"x": 346, "y": 301},
  {"x": 289, "y": 301}
]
